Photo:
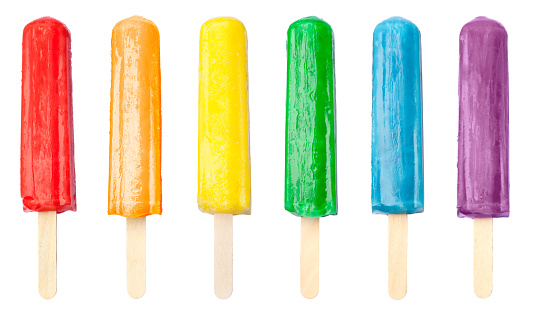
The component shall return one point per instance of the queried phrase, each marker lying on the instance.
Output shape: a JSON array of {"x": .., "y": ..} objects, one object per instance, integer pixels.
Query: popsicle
[
  {"x": 223, "y": 139},
  {"x": 135, "y": 138},
  {"x": 47, "y": 176},
  {"x": 397, "y": 155},
  {"x": 310, "y": 168},
  {"x": 483, "y": 157}
]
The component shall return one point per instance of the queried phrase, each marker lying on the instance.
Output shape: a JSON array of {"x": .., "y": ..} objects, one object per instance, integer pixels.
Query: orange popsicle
[{"x": 135, "y": 138}]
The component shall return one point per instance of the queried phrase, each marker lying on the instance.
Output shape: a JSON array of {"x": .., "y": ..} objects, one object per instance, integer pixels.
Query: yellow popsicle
[
  {"x": 135, "y": 136},
  {"x": 223, "y": 154}
]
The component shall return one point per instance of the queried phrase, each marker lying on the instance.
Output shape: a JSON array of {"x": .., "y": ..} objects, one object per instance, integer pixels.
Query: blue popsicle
[{"x": 397, "y": 161}]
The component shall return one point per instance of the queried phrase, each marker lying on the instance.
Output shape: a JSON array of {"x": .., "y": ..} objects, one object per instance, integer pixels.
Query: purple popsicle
[{"x": 483, "y": 159}]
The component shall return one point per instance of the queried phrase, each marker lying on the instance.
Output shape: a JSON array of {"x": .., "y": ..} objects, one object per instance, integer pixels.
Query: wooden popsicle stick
[
  {"x": 483, "y": 257},
  {"x": 136, "y": 256},
  {"x": 397, "y": 256},
  {"x": 223, "y": 255},
  {"x": 309, "y": 247},
  {"x": 47, "y": 254}
]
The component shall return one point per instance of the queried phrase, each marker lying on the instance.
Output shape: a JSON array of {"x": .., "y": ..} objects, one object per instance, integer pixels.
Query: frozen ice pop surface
[
  {"x": 47, "y": 135},
  {"x": 483, "y": 157},
  {"x": 135, "y": 133},
  {"x": 310, "y": 169},
  {"x": 223, "y": 140},
  {"x": 397, "y": 155}
]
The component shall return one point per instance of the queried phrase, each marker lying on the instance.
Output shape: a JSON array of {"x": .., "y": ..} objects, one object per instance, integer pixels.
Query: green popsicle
[{"x": 310, "y": 175}]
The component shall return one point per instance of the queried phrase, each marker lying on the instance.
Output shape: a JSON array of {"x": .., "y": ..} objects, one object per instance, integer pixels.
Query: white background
[{"x": 353, "y": 259}]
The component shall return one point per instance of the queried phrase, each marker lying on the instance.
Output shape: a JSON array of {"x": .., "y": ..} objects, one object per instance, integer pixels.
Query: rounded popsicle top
[
  {"x": 483, "y": 24},
  {"x": 135, "y": 23},
  {"x": 220, "y": 23},
  {"x": 396, "y": 23},
  {"x": 47, "y": 24},
  {"x": 310, "y": 22}
]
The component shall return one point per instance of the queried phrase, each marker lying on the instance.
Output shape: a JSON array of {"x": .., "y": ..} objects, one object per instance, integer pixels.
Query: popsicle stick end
[{"x": 47, "y": 293}]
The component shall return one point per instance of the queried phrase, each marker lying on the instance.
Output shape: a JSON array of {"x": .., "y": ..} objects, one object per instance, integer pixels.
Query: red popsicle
[{"x": 47, "y": 139}]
